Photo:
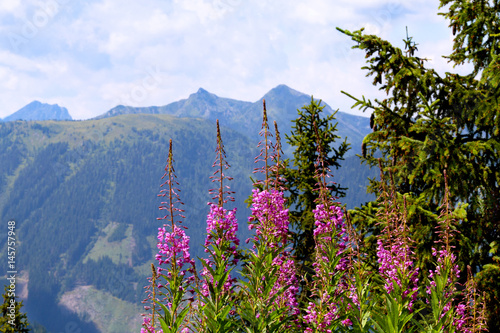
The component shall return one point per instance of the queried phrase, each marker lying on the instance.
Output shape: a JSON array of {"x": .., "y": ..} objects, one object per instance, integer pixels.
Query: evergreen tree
[
  {"x": 309, "y": 130},
  {"x": 429, "y": 123},
  {"x": 12, "y": 320}
]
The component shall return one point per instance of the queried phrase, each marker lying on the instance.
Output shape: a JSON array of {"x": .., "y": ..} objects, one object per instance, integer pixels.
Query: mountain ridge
[
  {"x": 282, "y": 103},
  {"x": 37, "y": 110}
]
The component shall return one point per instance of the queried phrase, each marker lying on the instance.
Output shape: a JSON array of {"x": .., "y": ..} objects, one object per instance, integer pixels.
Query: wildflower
[
  {"x": 271, "y": 221},
  {"x": 221, "y": 243},
  {"x": 272, "y": 273},
  {"x": 330, "y": 267},
  {"x": 269, "y": 217},
  {"x": 173, "y": 258},
  {"x": 173, "y": 249},
  {"x": 396, "y": 267},
  {"x": 222, "y": 227}
]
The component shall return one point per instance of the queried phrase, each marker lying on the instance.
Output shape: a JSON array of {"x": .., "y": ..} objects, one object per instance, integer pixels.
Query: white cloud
[
  {"x": 9, "y": 6},
  {"x": 92, "y": 54}
]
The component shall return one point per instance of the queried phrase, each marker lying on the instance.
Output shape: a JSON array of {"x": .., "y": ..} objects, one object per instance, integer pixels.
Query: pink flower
[
  {"x": 271, "y": 221},
  {"x": 270, "y": 217},
  {"x": 222, "y": 227}
]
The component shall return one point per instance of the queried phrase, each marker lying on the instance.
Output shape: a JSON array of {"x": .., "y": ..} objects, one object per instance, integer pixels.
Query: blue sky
[{"x": 90, "y": 56}]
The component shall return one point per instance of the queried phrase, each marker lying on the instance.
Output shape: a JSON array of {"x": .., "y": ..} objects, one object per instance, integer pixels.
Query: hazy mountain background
[
  {"x": 39, "y": 111},
  {"x": 246, "y": 117},
  {"x": 84, "y": 195}
]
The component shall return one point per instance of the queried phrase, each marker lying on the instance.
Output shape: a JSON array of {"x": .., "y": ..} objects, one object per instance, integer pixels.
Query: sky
[{"x": 90, "y": 56}]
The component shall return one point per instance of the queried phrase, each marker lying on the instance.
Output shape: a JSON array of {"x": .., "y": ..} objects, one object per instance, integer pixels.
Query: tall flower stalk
[
  {"x": 447, "y": 313},
  {"x": 270, "y": 285},
  {"x": 471, "y": 312},
  {"x": 217, "y": 297},
  {"x": 173, "y": 279},
  {"x": 399, "y": 277},
  {"x": 326, "y": 311},
  {"x": 396, "y": 281}
]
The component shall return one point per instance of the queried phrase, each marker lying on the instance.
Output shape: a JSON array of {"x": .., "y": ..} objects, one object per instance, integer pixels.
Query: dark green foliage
[
  {"x": 18, "y": 323},
  {"x": 39, "y": 127},
  {"x": 429, "y": 123},
  {"x": 11, "y": 155},
  {"x": 104, "y": 274},
  {"x": 300, "y": 177},
  {"x": 40, "y": 177}
]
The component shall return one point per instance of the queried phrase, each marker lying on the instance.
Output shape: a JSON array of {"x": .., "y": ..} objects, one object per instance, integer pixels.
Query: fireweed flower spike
[
  {"x": 396, "y": 268},
  {"x": 399, "y": 278},
  {"x": 217, "y": 295},
  {"x": 397, "y": 274},
  {"x": 151, "y": 299},
  {"x": 395, "y": 257},
  {"x": 270, "y": 296},
  {"x": 443, "y": 280},
  {"x": 175, "y": 272},
  {"x": 327, "y": 309},
  {"x": 470, "y": 312},
  {"x": 268, "y": 300}
]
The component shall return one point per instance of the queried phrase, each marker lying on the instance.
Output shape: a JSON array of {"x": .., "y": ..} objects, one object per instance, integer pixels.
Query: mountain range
[
  {"x": 246, "y": 117},
  {"x": 84, "y": 196}
]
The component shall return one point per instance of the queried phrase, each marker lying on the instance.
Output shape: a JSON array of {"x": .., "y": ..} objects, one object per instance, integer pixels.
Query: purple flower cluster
[
  {"x": 222, "y": 227},
  {"x": 328, "y": 219},
  {"x": 331, "y": 238},
  {"x": 330, "y": 231},
  {"x": 173, "y": 249},
  {"x": 287, "y": 277},
  {"x": 396, "y": 267},
  {"x": 461, "y": 320},
  {"x": 148, "y": 327},
  {"x": 445, "y": 264},
  {"x": 271, "y": 221},
  {"x": 321, "y": 321},
  {"x": 352, "y": 294},
  {"x": 269, "y": 217},
  {"x": 222, "y": 224},
  {"x": 444, "y": 258}
]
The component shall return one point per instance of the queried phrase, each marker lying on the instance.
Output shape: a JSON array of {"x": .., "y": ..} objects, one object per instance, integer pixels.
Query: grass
[{"x": 118, "y": 252}]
